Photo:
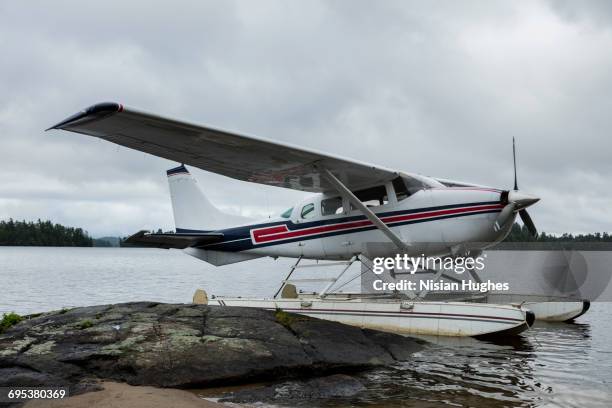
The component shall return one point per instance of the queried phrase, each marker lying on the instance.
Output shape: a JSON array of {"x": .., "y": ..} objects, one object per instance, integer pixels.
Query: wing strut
[{"x": 344, "y": 191}]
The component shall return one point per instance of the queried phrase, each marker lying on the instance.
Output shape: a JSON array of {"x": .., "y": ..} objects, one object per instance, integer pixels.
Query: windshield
[{"x": 287, "y": 213}]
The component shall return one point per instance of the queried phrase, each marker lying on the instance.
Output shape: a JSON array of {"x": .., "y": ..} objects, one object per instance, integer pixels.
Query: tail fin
[{"x": 192, "y": 210}]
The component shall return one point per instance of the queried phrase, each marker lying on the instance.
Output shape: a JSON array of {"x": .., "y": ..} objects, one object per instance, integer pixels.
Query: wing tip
[
  {"x": 99, "y": 109},
  {"x": 177, "y": 170}
]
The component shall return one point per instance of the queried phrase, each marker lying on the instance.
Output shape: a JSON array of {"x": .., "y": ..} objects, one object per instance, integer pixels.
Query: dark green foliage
[
  {"x": 521, "y": 234},
  {"x": 42, "y": 233},
  {"x": 8, "y": 320},
  {"x": 286, "y": 319},
  {"x": 85, "y": 324}
]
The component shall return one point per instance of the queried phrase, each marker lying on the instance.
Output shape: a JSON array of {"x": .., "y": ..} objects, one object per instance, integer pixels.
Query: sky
[{"x": 437, "y": 88}]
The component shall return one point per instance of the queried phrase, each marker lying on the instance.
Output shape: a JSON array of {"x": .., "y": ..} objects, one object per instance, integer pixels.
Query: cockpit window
[
  {"x": 331, "y": 206},
  {"x": 413, "y": 185},
  {"x": 308, "y": 211},
  {"x": 405, "y": 187},
  {"x": 287, "y": 213},
  {"x": 401, "y": 192}
]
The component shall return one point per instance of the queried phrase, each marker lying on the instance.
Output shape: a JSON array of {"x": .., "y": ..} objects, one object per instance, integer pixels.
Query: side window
[
  {"x": 331, "y": 206},
  {"x": 372, "y": 197},
  {"x": 308, "y": 211},
  {"x": 287, "y": 214}
]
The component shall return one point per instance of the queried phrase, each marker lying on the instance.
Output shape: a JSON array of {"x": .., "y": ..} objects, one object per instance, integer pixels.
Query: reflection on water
[
  {"x": 557, "y": 364},
  {"x": 553, "y": 364}
]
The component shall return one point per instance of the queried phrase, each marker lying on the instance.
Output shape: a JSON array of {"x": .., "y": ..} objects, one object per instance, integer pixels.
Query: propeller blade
[
  {"x": 528, "y": 223},
  {"x": 514, "y": 160},
  {"x": 504, "y": 216}
]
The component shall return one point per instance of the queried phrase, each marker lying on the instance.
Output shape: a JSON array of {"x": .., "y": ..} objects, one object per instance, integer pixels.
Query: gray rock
[
  {"x": 288, "y": 392},
  {"x": 184, "y": 345}
]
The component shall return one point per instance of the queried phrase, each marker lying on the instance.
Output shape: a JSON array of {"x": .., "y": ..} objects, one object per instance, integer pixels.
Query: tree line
[
  {"x": 42, "y": 233},
  {"x": 521, "y": 234}
]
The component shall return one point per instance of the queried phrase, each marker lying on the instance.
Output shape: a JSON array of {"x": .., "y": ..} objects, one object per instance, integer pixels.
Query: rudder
[{"x": 192, "y": 210}]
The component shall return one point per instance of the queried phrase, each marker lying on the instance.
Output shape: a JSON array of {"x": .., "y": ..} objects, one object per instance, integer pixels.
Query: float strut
[
  {"x": 293, "y": 268},
  {"x": 333, "y": 282}
]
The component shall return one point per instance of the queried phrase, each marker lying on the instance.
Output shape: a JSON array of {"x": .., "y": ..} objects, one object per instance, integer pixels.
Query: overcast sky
[{"x": 437, "y": 88}]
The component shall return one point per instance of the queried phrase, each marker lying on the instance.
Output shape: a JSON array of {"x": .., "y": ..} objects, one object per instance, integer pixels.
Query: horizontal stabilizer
[{"x": 178, "y": 241}]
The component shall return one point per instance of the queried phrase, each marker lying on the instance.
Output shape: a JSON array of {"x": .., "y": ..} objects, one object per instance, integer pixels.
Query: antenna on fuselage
[{"x": 514, "y": 159}]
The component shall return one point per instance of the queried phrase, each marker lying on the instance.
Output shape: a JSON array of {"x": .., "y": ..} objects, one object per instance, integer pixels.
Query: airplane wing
[
  {"x": 177, "y": 241},
  {"x": 455, "y": 183},
  {"x": 241, "y": 157}
]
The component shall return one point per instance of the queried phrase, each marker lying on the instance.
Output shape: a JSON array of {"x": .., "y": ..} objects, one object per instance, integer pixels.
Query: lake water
[
  {"x": 550, "y": 365},
  {"x": 36, "y": 279}
]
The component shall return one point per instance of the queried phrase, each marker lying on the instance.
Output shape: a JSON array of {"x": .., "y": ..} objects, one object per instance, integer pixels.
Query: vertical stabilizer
[{"x": 191, "y": 208}]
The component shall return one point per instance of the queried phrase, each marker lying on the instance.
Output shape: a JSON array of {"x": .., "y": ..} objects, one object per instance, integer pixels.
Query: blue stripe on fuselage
[{"x": 239, "y": 238}]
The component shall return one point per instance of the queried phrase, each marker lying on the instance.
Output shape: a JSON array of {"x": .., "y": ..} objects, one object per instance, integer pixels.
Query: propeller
[
  {"x": 526, "y": 218},
  {"x": 504, "y": 216},
  {"x": 516, "y": 200}
]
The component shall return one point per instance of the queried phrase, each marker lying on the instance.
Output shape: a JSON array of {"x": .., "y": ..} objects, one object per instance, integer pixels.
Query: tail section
[{"x": 192, "y": 210}]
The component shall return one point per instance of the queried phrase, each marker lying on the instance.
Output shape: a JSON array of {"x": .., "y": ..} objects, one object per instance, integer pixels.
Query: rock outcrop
[{"x": 184, "y": 345}]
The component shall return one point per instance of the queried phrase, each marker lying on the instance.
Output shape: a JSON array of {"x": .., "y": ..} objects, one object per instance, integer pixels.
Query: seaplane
[{"x": 357, "y": 212}]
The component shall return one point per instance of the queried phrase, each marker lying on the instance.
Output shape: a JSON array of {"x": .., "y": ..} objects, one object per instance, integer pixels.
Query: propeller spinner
[{"x": 516, "y": 201}]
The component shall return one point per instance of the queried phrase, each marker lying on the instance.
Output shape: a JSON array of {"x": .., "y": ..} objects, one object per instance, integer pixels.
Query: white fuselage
[
  {"x": 430, "y": 233},
  {"x": 434, "y": 221}
]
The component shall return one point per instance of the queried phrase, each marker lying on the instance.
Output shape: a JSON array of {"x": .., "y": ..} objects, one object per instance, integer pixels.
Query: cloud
[
  {"x": 597, "y": 12},
  {"x": 438, "y": 89}
]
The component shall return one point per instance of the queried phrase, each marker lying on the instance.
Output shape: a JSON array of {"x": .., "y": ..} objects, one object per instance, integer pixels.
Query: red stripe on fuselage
[
  {"x": 260, "y": 234},
  {"x": 281, "y": 232}
]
